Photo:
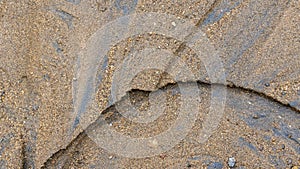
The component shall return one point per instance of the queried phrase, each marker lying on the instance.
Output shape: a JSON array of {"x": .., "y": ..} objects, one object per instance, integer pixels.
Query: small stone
[
  {"x": 76, "y": 2},
  {"x": 215, "y": 165},
  {"x": 162, "y": 156},
  {"x": 267, "y": 84},
  {"x": 174, "y": 24},
  {"x": 35, "y": 107},
  {"x": 255, "y": 116},
  {"x": 231, "y": 162},
  {"x": 296, "y": 167},
  {"x": 289, "y": 161},
  {"x": 46, "y": 77}
]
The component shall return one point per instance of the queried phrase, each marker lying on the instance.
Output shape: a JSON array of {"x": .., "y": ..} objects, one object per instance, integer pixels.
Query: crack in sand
[{"x": 82, "y": 135}]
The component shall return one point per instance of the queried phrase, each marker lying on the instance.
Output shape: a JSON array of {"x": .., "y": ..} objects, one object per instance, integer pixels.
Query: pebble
[
  {"x": 76, "y": 2},
  {"x": 289, "y": 161},
  {"x": 35, "y": 107},
  {"x": 174, "y": 24},
  {"x": 231, "y": 162},
  {"x": 215, "y": 165},
  {"x": 255, "y": 116},
  {"x": 296, "y": 167}
]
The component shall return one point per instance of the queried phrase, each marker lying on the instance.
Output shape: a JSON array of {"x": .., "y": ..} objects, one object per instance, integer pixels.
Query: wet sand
[{"x": 259, "y": 46}]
